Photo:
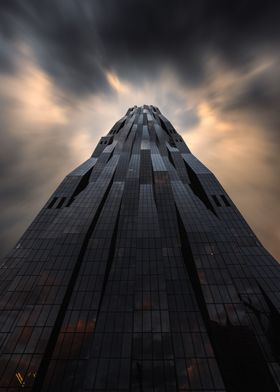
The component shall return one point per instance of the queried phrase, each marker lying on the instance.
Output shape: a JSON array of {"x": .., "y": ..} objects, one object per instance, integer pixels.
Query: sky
[{"x": 70, "y": 69}]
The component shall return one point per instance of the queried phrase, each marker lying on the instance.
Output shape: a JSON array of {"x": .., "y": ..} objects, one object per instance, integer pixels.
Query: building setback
[{"x": 140, "y": 274}]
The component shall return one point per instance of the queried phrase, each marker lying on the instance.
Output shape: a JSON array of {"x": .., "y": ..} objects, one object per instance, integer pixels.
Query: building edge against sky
[{"x": 140, "y": 274}]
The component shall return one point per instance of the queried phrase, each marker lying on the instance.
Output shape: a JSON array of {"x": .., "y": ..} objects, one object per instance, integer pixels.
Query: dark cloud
[
  {"x": 63, "y": 40},
  {"x": 145, "y": 35},
  {"x": 75, "y": 41},
  {"x": 260, "y": 100}
]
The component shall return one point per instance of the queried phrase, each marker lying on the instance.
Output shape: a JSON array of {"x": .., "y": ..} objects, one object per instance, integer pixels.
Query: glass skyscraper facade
[{"x": 140, "y": 274}]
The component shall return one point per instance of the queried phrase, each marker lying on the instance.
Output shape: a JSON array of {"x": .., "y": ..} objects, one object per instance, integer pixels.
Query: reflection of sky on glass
[{"x": 64, "y": 88}]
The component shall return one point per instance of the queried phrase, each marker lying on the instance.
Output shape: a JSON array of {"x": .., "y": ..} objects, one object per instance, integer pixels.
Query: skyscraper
[{"x": 139, "y": 274}]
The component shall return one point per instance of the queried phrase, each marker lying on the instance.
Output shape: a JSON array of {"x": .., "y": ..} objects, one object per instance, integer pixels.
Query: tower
[{"x": 140, "y": 274}]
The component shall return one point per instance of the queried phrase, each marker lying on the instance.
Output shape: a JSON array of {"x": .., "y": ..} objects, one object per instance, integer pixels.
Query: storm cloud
[{"x": 69, "y": 69}]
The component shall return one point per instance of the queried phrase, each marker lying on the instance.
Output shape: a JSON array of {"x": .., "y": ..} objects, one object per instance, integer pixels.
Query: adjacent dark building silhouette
[{"x": 140, "y": 274}]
